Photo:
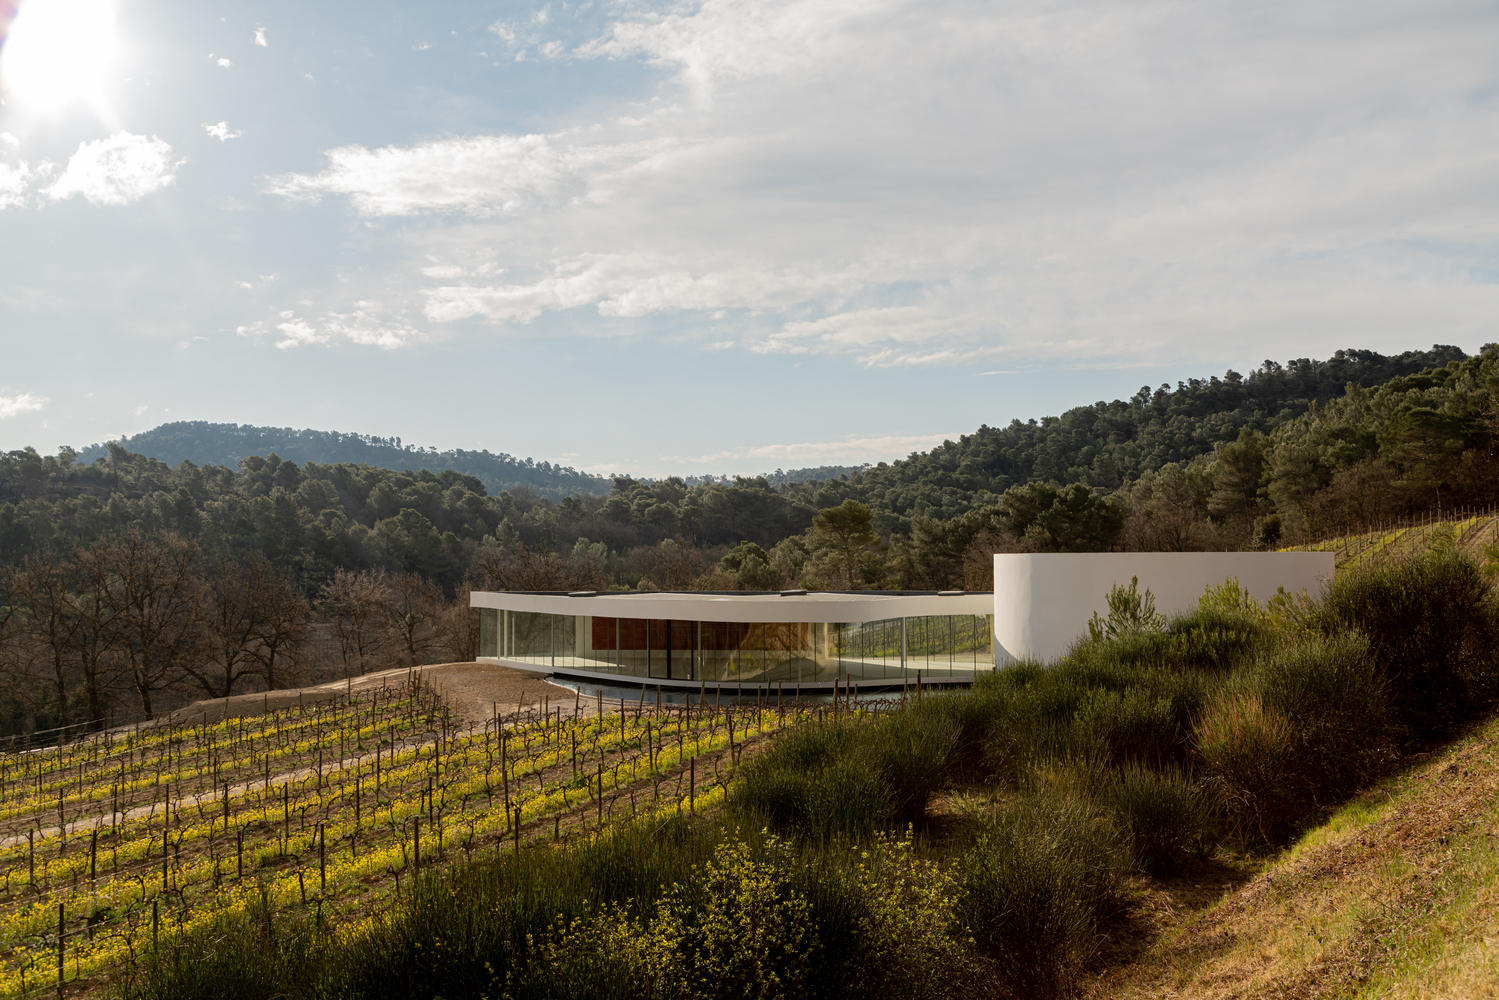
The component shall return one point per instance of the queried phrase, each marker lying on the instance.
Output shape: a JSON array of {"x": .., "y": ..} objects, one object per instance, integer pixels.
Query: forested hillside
[
  {"x": 1276, "y": 456},
  {"x": 225, "y": 444}
]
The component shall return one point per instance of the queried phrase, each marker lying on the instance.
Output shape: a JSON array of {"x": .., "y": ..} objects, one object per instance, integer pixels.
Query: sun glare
[{"x": 58, "y": 52}]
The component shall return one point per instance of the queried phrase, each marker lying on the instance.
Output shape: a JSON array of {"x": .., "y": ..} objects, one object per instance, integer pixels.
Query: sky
[{"x": 724, "y": 236}]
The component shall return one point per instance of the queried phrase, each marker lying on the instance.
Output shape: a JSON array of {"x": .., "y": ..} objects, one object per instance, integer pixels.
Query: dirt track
[{"x": 473, "y": 690}]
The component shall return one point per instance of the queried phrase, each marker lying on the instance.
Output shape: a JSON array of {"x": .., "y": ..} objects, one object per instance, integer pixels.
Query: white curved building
[
  {"x": 692, "y": 639},
  {"x": 1040, "y": 605}
]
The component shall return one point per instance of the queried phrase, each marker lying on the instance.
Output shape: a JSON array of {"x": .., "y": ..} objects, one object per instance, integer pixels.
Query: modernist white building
[
  {"x": 1040, "y": 605},
  {"x": 690, "y": 639}
]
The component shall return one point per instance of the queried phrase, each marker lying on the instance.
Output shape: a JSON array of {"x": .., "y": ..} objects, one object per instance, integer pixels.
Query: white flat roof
[{"x": 756, "y": 607}]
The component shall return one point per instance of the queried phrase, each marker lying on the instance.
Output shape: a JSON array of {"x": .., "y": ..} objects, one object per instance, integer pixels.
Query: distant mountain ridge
[{"x": 204, "y": 443}]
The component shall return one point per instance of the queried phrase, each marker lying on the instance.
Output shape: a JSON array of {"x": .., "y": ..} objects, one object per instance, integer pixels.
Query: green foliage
[
  {"x": 1167, "y": 817},
  {"x": 1071, "y": 519},
  {"x": 1246, "y": 750},
  {"x": 750, "y": 566},
  {"x": 314, "y": 503},
  {"x": 254, "y": 955},
  {"x": 1036, "y": 882},
  {"x": 911, "y": 752},
  {"x": 203, "y": 443},
  {"x": 810, "y": 784},
  {"x": 740, "y": 931},
  {"x": 1130, "y": 612},
  {"x": 843, "y": 546},
  {"x": 1432, "y": 629}
]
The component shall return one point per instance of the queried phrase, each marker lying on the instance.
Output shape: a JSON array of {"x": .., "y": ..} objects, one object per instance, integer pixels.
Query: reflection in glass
[{"x": 892, "y": 649}]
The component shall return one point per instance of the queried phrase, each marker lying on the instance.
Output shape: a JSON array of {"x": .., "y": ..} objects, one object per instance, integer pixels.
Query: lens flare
[{"x": 58, "y": 52}]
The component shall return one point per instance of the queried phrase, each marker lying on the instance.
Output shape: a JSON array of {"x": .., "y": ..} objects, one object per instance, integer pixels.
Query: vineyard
[
  {"x": 1472, "y": 532},
  {"x": 112, "y": 846}
]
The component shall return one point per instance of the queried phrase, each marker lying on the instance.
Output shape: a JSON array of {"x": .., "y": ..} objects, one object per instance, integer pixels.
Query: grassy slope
[{"x": 1396, "y": 895}]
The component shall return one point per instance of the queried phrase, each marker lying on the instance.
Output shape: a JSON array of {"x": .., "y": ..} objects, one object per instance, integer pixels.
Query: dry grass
[{"x": 1397, "y": 895}]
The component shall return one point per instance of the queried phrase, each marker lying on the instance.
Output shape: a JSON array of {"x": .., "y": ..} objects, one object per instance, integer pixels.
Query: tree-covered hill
[
  {"x": 1284, "y": 454},
  {"x": 1107, "y": 445},
  {"x": 203, "y": 443}
]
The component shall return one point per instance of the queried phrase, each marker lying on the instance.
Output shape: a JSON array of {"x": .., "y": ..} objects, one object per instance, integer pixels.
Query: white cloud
[
  {"x": 26, "y": 402},
  {"x": 14, "y": 183},
  {"x": 846, "y": 451},
  {"x": 225, "y": 63},
  {"x": 297, "y": 332},
  {"x": 953, "y": 182},
  {"x": 484, "y": 176},
  {"x": 119, "y": 170},
  {"x": 366, "y": 324},
  {"x": 260, "y": 37},
  {"x": 221, "y": 131},
  {"x": 17, "y": 177}
]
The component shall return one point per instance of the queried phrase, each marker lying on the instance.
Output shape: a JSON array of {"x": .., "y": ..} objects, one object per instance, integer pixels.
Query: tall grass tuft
[
  {"x": 1167, "y": 818},
  {"x": 810, "y": 784},
  {"x": 255, "y": 954},
  {"x": 911, "y": 752},
  {"x": 1245, "y": 749},
  {"x": 1036, "y": 882},
  {"x": 1339, "y": 706}
]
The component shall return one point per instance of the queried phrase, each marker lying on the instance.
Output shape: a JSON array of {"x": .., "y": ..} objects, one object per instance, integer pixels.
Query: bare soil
[{"x": 474, "y": 691}]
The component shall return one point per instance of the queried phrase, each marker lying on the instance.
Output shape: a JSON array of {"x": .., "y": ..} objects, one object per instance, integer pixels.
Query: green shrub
[
  {"x": 975, "y": 712},
  {"x": 811, "y": 783},
  {"x": 1246, "y": 751},
  {"x": 1336, "y": 700},
  {"x": 1432, "y": 629},
  {"x": 1130, "y": 726},
  {"x": 1036, "y": 882},
  {"x": 742, "y": 931},
  {"x": 1208, "y": 638},
  {"x": 907, "y": 925},
  {"x": 1165, "y": 815},
  {"x": 911, "y": 751}
]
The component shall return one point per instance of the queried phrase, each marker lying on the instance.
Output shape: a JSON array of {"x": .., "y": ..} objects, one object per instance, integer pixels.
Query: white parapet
[{"x": 1043, "y": 601}]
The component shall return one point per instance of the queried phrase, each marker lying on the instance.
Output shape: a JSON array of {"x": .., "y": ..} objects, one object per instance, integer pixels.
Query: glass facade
[{"x": 793, "y": 652}]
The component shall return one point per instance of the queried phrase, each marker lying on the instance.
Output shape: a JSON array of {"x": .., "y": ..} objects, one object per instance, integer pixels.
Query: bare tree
[
  {"x": 460, "y": 626},
  {"x": 96, "y": 643},
  {"x": 538, "y": 569},
  {"x": 41, "y": 587},
  {"x": 235, "y": 598},
  {"x": 152, "y": 584},
  {"x": 285, "y": 626},
  {"x": 675, "y": 563},
  {"x": 413, "y": 612},
  {"x": 354, "y": 603}
]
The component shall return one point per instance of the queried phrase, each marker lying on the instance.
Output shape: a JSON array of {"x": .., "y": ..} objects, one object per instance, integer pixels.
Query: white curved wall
[{"x": 1043, "y": 601}]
